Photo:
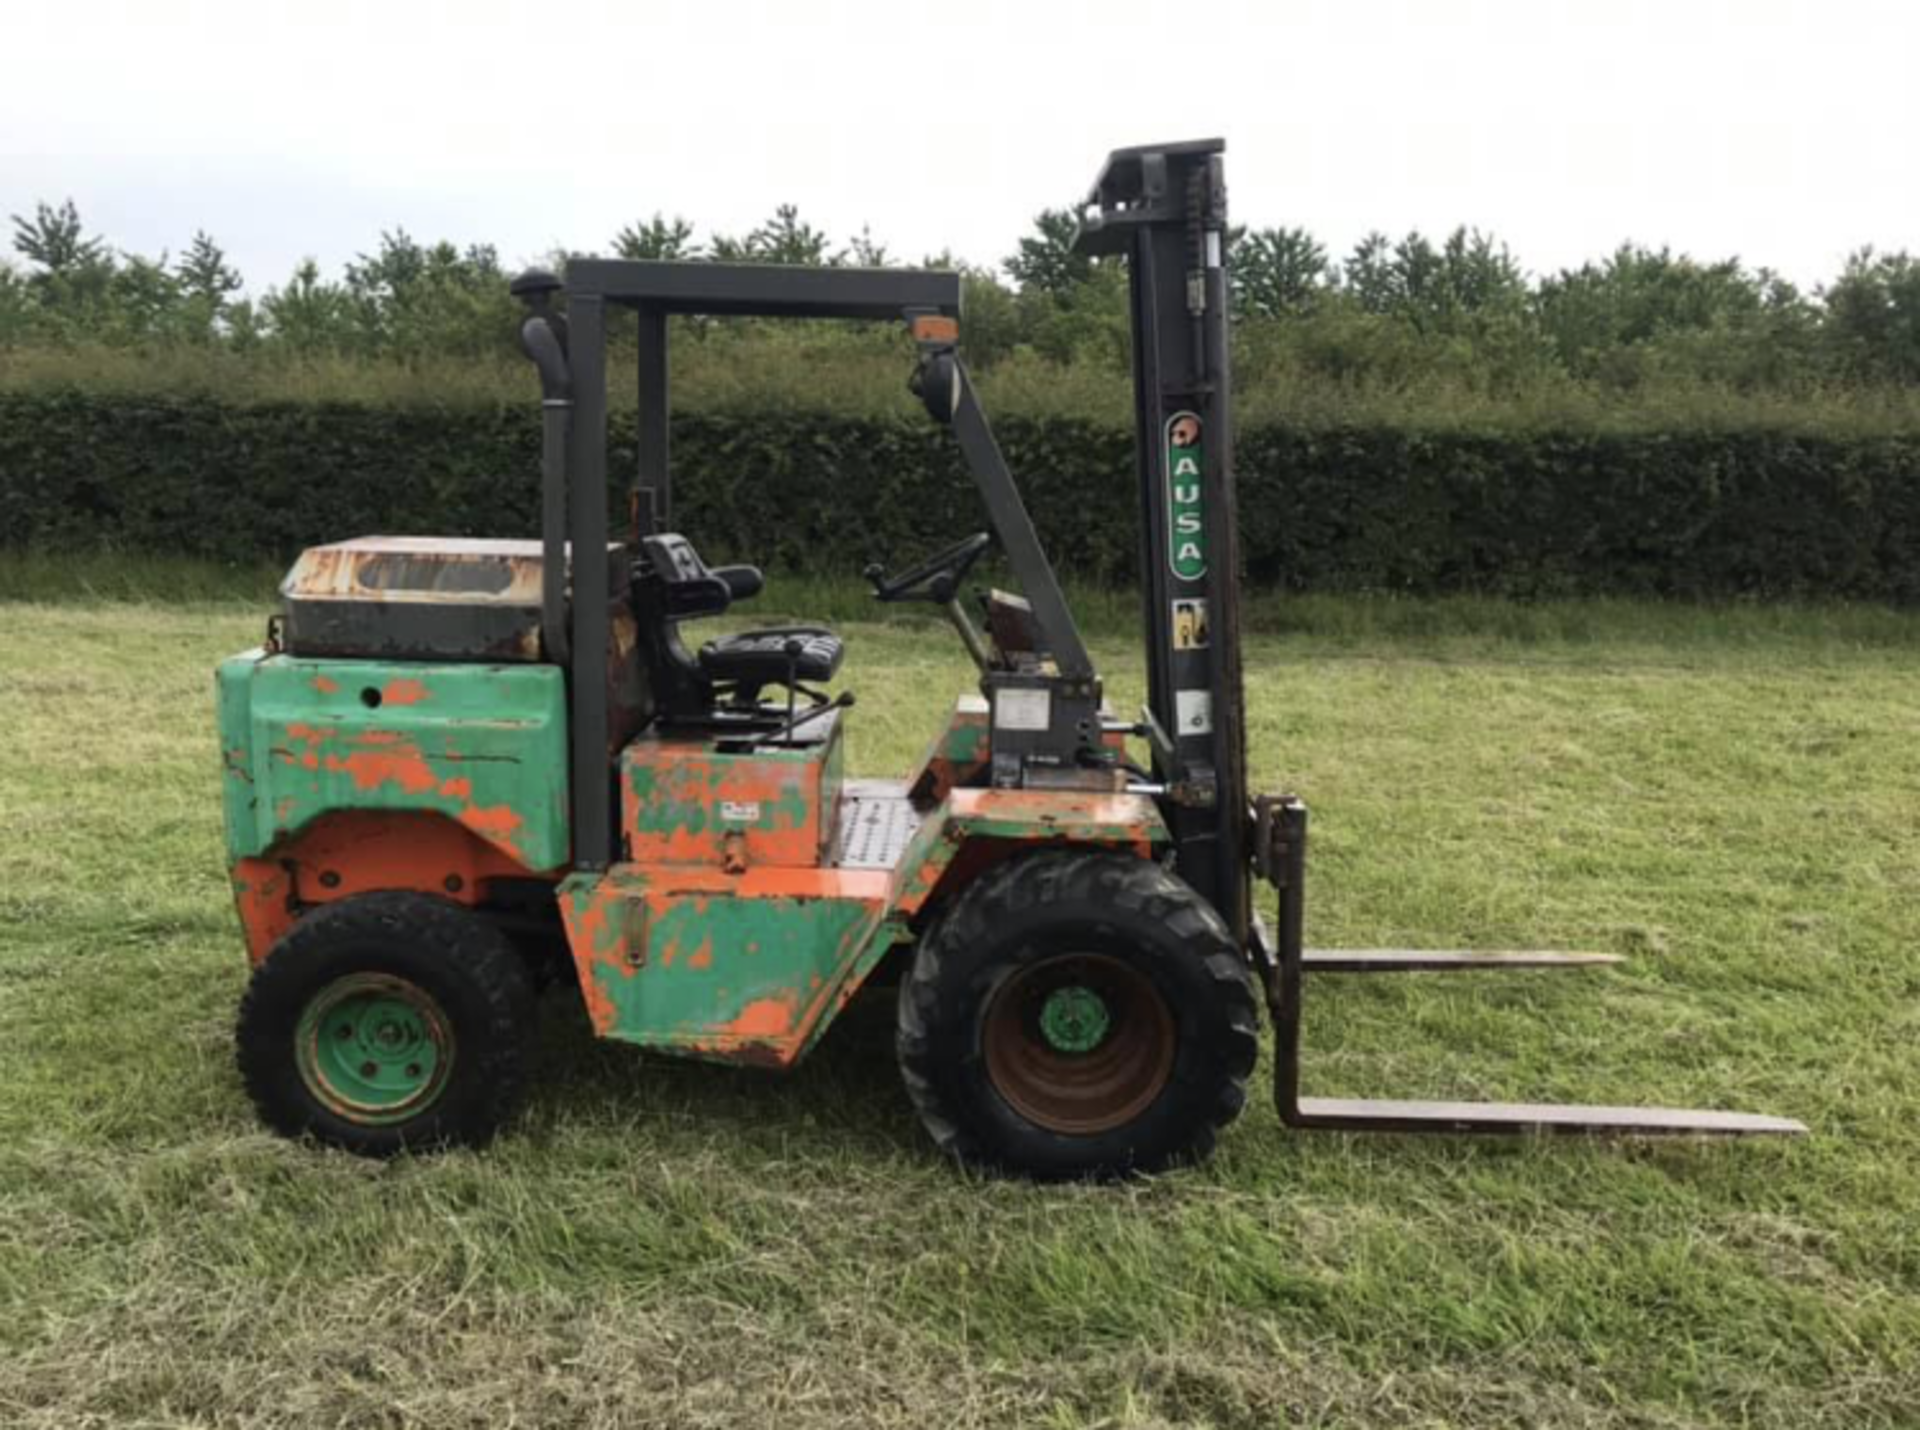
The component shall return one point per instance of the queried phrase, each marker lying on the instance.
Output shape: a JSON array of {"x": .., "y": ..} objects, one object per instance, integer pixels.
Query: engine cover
[{"x": 418, "y": 598}]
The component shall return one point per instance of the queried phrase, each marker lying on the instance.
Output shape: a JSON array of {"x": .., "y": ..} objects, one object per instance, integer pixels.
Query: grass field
[{"x": 1729, "y": 796}]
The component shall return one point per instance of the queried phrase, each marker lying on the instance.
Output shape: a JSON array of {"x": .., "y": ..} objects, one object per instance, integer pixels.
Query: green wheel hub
[
  {"x": 374, "y": 1049},
  {"x": 1074, "y": 1019}
]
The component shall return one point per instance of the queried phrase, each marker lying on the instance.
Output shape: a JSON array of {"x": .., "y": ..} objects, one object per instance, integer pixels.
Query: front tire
[
  {"x": 1077, "y": 1014},
  {"x": 388, "y": 1021}
]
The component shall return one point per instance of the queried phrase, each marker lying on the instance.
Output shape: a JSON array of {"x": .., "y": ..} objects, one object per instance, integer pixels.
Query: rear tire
[
  {"x": 1077, "y": 1014},
  {"x": 388, "y": 1021}
]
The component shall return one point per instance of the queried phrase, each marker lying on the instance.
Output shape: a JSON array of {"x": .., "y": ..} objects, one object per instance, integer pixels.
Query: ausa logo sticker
[{"x": 1186, "y": 514}]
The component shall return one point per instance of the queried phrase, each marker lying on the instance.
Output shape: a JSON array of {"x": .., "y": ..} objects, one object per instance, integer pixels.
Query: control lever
[{"x": 843, "y": 701}]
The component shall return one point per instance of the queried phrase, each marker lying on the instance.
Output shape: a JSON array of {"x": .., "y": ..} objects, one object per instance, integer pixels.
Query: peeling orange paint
[
  {"x": 403, "y": 765},
  {"x": 497, "y": 822},
  {"x": 404, "y": 691},
  {"x": 586, "y": 917},
  {"x": 264, "y": 897},
  {"x": 762, "y": 1018}
]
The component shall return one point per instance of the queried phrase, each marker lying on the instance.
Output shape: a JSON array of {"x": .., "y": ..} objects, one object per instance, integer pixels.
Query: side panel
[
  {"x": 483, "y": 745},
  {"x": 730, "y": 968}
]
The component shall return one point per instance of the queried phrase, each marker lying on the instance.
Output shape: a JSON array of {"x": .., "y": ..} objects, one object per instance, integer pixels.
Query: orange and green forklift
[{"x": 448, "y": 747}]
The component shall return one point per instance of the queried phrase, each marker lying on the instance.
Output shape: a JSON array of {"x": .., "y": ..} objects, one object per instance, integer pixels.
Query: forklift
[{"x": 448, "y": 749}]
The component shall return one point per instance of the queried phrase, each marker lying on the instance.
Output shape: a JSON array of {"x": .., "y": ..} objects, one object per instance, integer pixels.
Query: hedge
[{"x": 1696, "y": 514}]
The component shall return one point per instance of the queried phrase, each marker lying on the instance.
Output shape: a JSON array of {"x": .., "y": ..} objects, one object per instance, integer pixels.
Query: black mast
[{"x": 1163, "y": 207}]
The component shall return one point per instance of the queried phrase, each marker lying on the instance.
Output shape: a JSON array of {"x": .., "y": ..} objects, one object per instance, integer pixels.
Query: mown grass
[{"x": 1727, "y": 795}]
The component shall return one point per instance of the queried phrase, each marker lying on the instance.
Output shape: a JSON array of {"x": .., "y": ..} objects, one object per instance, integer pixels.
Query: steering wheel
[{"x": 934, "y": 579}]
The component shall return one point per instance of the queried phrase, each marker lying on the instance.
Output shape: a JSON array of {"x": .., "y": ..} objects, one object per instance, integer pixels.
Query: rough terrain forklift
[{"x": 444, "y": 740}]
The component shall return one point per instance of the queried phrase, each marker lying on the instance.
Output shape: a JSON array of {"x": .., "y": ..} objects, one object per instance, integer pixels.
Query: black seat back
[{"x": 672, "y": 584}]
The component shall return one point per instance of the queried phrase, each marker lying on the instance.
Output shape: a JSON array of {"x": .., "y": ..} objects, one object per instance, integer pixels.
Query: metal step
[
  {"x": 1543, "y": 1118},
  {"x": 875, "y": 824},
  {"x": 1418, "y": 960}
]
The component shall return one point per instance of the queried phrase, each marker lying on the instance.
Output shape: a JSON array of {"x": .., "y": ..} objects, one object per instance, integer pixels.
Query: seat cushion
[{"x": 755, "y": 658}]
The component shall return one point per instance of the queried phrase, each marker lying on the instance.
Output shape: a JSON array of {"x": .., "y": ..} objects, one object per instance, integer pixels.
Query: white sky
[{"x": 1782, "y": 131}]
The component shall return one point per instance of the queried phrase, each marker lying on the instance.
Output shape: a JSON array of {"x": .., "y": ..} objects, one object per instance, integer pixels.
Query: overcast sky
[{"x": 1781, "y": 131}]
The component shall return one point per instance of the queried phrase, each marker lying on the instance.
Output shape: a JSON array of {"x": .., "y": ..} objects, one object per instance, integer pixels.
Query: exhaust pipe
[{"x": 543, "y": 338}]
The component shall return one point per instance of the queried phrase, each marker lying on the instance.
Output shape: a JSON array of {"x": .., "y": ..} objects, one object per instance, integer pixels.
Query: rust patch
[{"x": 405, "y": 691}]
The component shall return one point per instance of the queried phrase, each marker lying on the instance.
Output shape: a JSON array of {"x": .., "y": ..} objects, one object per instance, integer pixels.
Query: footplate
[{"x": 1284, "y": 964}]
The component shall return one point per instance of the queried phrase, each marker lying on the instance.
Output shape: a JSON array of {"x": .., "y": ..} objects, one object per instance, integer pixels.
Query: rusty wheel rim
[{"x": 1079, "y": 1043}]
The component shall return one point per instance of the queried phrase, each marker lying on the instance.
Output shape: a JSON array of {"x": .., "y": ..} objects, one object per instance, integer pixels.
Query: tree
[
  {"x": 658, "y": 238},
  {"x": 55, "y": 239},
  {"x": 205, "y": 274},
  {"x": 204, "y": 282},
  {"x": 865, "y": 251},
  {"x": 308, "y": 315},
  {"x": 785, "y": 238},
  {"x": 1046, "y": 262},
  {"x": 1279, "y": 271},
  {"x": 16, "y": 307},
  {"x": 1873, "y": 316},
  {"x": 1437, "y": 290},
  {"x": 142, "y": 301},
  {"x": 1368, "y": 273},
  {"x": 411, "y": 299},
  {"x": 1478, "y": 275},
  {"x": 1643, "y": 312}
]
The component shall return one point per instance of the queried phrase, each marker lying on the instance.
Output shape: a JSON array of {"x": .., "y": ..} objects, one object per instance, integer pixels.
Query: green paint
[
  {"x": 374, "y": 1048},
  {"x": 484, "y": 745},
  {"x": 967, "y": 741},
  {"x": 1074, "y": 1019},
  {"x": 1186, "y": 510},
  {"x": 655, "y": 810}
]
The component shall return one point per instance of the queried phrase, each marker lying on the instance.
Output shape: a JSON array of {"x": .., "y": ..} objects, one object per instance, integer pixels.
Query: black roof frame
[
  {"x": 574, "y": 380},
  {"x": 768, "y": 290}
]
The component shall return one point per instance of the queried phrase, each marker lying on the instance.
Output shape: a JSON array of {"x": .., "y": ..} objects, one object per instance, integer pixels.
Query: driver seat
[
  {"x": 672, "y": 584},
  {"x": 766, "y": 657}
]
